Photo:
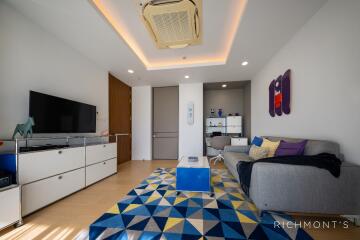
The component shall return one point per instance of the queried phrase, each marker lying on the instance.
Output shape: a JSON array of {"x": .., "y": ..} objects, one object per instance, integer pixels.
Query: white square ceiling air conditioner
[{"x": 173, "y": 23}]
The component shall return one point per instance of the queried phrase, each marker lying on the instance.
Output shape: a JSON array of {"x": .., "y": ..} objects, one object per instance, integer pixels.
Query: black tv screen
[{"x": 58, "y": 115}]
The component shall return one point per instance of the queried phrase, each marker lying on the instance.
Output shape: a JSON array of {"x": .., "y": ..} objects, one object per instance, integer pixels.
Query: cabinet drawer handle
[
  {"x": 60, "y": 152},
  {"x": 104, "y": 163},
  {"x": 104, "y": 145},
  {"x": 60, "y": 177}
]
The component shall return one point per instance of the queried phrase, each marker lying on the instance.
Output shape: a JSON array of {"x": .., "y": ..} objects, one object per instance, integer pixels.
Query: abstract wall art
[{"x": 279, "y": 95}]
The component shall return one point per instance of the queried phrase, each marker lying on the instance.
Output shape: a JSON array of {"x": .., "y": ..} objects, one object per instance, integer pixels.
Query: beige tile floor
[{"x": 71, "y": 216}]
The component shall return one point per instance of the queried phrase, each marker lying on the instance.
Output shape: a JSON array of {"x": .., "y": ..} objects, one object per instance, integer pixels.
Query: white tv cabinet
[
  {"x": 50, "y": 175},
  {"x": 10, "y": 206},
  {"x": 101, "y": 160}
]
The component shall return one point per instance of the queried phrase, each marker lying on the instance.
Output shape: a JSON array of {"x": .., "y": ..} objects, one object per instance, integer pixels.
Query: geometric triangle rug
[{"x": 155, "y": 210}]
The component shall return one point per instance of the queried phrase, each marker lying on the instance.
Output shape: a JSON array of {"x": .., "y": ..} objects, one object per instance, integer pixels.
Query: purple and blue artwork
[{"x": 279, "y": 95}]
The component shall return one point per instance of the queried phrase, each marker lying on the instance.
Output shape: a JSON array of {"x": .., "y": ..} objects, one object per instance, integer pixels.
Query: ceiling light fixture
[
  {"x": 187, "y": 76},
  {"x": 224, "y": 85},
  {"x": 244, "y": 63},
  {"x": 130, "y": 71}
]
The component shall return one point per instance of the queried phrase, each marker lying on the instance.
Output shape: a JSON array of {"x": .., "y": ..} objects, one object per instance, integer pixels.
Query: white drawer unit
[
  {"x": 40, "y": 194},
  {"x": 239, "y": 141},
  {"x": 234, "y": 124},
  {"x": 96, "y": 172},
  {"x": 50, "y": 175},
  {"x": 9, "y": 207},
  {"x": 100, "y": 153},
  {"x": 39, "y": 165}
]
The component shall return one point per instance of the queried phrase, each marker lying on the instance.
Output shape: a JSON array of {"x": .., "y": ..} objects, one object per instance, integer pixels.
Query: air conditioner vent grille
[
  {"x": 172, "y": 27},
  {"x": 173, "y": 24}
]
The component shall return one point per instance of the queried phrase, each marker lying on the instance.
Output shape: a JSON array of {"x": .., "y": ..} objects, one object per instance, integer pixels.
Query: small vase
[
  {"x": 220, "y": 112},
  {"x": 212, "y": 113}
]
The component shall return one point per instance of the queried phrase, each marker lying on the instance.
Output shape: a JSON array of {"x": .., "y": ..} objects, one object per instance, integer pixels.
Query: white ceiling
[
  {"x": 218, "y": 30},
  {"x": 265, "y": 27}
]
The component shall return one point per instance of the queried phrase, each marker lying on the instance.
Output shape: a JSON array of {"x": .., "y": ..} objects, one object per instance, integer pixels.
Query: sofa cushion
[
  {"x": 257, "y": 141},
  {"x": 271, "y": 146},
  {"x": 257, "y": 153},
  {"x": 236, "y": 156},
  {"x": 290, "y": 148},
  {"x": 232, "y": 158},
  {"x": 314, "y": 147}
]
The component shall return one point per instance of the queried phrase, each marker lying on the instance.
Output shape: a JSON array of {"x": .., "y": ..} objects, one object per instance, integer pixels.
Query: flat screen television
[{"x": 58, "y": 115}]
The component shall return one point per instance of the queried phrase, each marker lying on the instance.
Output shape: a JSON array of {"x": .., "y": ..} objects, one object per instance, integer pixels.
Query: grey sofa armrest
[
  {"x": 239, "y": 149},
  {"x": 307, "y": 189}
]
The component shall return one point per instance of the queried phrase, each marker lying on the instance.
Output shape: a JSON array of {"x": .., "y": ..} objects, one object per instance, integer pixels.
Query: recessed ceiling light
[
  {"x": 130, "y": 71},
  {"x": 244, "y": 63},
  {"x": 224, "y": 85},
  {"x": 187, "y": 76}
]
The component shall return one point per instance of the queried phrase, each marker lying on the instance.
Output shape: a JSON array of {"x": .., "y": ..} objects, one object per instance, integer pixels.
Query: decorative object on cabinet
[
  {"x": 215, "y": 125},
  {"x": 220, "y": 113},
  {"x": 212, "y": 113},
  {"x": 5, "y": 179},
  {"x": 279, "y": 95},
  {"x": 24, "y": 129},
  {"x": 104, "y": 132}
]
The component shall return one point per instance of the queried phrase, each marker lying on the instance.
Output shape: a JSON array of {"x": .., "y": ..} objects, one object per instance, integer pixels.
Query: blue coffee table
[{"x": 193, "y": 176}]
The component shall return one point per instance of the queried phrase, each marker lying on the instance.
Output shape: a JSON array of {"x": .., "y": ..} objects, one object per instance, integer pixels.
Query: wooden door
[
  {"x": 165, "y": 122},
  {"x": 120, "y": 116}
]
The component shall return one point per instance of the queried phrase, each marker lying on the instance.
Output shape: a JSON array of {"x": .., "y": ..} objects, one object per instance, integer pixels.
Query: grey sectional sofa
[{"x": 305, "y": 189}]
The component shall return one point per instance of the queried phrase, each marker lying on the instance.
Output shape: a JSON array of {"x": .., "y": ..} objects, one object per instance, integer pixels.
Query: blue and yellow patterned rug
[{"x": 154, "y": 210}]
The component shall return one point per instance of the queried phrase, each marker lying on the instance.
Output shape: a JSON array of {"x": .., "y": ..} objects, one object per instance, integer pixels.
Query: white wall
[
  {"x": 141, "y": 123},
  {"x": 229, "y": 100},
  {"x": 324, "y": 57},
  {"x": 31, "y": 59},
  {"x": 191, "y": 136}
]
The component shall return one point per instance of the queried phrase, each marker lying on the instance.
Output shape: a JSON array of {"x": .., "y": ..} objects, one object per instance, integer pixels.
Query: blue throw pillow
[{"x": 257, "y": 141}]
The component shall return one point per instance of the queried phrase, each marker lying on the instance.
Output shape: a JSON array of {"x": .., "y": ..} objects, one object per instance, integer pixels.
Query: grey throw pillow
[{"x": 257, "y": 153}]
